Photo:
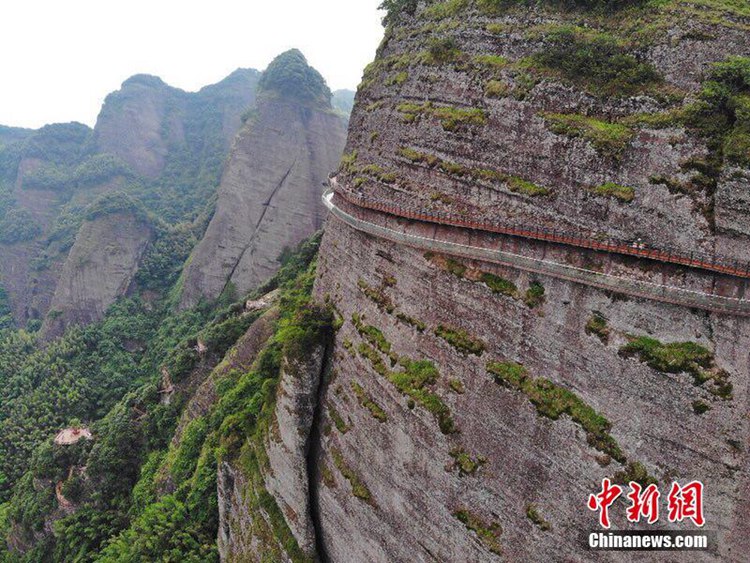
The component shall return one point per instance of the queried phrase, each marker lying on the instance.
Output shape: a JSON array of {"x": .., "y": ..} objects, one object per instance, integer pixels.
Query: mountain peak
[
  {"x": 145, "y": 80},
  {"x": 290, "y": 75}
]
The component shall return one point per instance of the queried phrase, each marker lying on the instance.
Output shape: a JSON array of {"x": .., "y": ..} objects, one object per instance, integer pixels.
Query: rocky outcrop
[
  {"x": 240, "y": 358},
  {"x": 447, "y": 439},
  {"x": 99, "y": 269},
  {"x": 52, "y": 174},
  {"x": 135, "y": 124},
  {"x": 288, "y": 447},
  {"x": 147, "y": 119},
  {"x": 269, "y": 198},
  {"x": 256, "y": 503}
]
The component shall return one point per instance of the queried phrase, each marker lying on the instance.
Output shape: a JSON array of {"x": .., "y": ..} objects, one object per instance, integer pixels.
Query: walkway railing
[
  {"x": 714, "y": 263},
  {"x": 626, "y": 286}
]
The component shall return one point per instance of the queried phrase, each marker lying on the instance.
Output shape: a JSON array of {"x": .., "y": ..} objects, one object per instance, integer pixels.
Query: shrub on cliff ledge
[
  {"x": 609, "y": 139},
  {"x": 722, "y": 114},
  {"x": 396, "y": 9},
  {"x": 625, "y": 194},
  {"x": 596, "y": 61},
  {"x": 552, "y": 401},
  {"x": 681, "y": 357},
  {"x": 498, "y": 6},
  {"x": 460, "y": 340},
  {"x": 18, "y": 225}
]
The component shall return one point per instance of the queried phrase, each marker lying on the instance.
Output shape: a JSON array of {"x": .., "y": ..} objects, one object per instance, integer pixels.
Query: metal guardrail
[
  {"x": 635, "y": 288},
  {"x": 713, "y": 263}
]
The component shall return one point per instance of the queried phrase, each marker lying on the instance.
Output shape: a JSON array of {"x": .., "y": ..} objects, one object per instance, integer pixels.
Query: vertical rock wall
[{"x": 443, "y": 441}]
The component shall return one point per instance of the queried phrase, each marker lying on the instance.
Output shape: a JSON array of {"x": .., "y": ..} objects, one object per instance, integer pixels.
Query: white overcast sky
[{"x": 60, "y": 58}]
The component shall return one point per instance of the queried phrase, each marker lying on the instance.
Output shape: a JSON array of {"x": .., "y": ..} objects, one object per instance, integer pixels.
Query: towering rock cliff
[
  {"x": 146, "y": 120},
  {"x": 160, "y": 144},
  {"x": 269, "y": 198},
  {"x": 474, "y": 404},
  {"x": 101, "y": 266}
]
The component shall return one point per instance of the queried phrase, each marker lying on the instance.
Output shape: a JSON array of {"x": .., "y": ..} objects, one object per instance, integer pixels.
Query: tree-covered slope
[{"x": 137, "y": 491}]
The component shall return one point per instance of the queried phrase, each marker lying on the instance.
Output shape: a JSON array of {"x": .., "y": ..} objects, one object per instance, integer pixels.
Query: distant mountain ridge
[{"x": 161, "y": 144}]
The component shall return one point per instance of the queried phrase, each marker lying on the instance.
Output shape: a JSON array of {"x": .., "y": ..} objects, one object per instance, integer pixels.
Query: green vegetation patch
[
  {"x": 372, "y": 334},
  {"x": 552, "y": 401},
  {"x": 18, "y": 225},
  {"x": 497, "y": 89},
  {"x": 488, "y": 533},
  {"x": 625, "y": 194},
  {"x": 441, "y": 50},
  {"x": 447, "y": 9},
  {"x": 609, "y": 139},
  {"x": 450, "y": 117},
  {"x": 338, "y": 420},
  {"x": 359, "y": 488},
  {"x": 634, "y": 471},
  {"x": 722, "y": 113},
  {"x": 498, "y": 284},
  {"x": 396, "y": 10},
  {"x": 290, "y": 75},
  {"x": 493, "y": 62},
  {"x": 460, "y": 340},
  {"x": 595, "y": 61},
  {"x": 597, "y": 325},
  {"x": 377, "y": 296},
  {"x": 366, "y": 401},
  {"x": 521, "y": 186},
  {"x": 465, "y": 463},
  {"x": 455, "y": 267},
  {"x": 457, "y": 386},
  {"x": 513, "y": 183},
  {"x": 532, "y": 513},
  {"x": 397, "y": 79},
  {"x": 680, "y": 357},
  {"x": 413, "y": 381},
  {"x": 534, "y": 296},
  {"x": 700, "y": 407},
  {"x": 404, "y": 318}
]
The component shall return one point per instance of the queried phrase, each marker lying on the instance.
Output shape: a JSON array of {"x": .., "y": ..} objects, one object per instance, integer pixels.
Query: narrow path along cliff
[{"x": 447, "y": 242}]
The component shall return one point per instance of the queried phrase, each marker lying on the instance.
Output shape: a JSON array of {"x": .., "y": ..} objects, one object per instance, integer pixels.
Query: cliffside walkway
[
  {"x": 632, "y": 287},
  {"x": 713, "y": 263}
]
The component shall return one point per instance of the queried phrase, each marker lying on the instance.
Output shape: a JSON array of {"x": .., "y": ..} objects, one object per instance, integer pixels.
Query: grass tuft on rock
[
  {"x": 625, "y": 194},
  {"x": 532, "y": 513},
  {"x": 488, "y": 533},
  {"x": 460, "y": 340},
  {"x": 552, "y": 401},
  {"x": 680, "y": 357},
  {"x": 609, "y": 139}
]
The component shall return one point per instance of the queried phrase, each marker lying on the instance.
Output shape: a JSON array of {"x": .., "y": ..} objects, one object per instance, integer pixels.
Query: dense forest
[{"x": 112, "y": 383}]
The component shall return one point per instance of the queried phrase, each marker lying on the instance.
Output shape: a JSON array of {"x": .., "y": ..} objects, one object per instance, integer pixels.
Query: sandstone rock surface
[
  {"x": 99, "y": 269},
  {"x": 269, "y": 198}
]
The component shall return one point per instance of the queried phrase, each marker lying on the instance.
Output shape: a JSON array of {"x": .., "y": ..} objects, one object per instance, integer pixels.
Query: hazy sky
[{"x": 60, "y": 58}]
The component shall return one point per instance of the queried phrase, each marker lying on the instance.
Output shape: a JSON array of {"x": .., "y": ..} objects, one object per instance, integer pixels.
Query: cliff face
[
  {"x": 139, "y": 122},
  {"x": 269, "y": 197},
  {"x": 146, "y": 118},
  {"x": 36, "y": 206},
  {"x": 456, "y": 410},
  {"x": 99, "y": 269},
  {"x": 151, "y": 140}
]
